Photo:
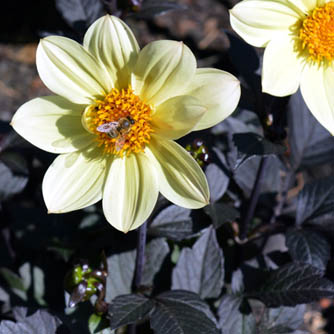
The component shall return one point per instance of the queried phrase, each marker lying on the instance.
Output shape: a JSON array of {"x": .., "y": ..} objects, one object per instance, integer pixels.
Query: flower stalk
[
  {"x": 140, "y": 255},
  {"x": 140, "y": 262},
  {"x": 253, "y": 198}
]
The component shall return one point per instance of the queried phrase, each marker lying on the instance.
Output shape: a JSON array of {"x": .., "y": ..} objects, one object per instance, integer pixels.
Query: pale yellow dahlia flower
[
  {"x": 114, "y": 119},
  {"x": 299, "y": 40}
]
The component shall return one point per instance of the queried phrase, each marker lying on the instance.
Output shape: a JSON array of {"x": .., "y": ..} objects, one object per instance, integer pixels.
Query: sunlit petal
[
  {"x": 74, "y": 180},
  {"x": 53, "y": 124},
  {"x": 162, "y": 70},
  {"x": 281, "y": 67},
  {"x": 317, "y": 90},
  {"x": 177, "y": 116},
  {"x": 130, "y": 193},
  {"x": 306, "y": 5},
  {"x": 219, "y": 91},
  {"x": 258, "y": 21},
  {"x": 112, "y": 42},
  {"x": 181, "y": 180},
  {"x": 70, "y": 71}
]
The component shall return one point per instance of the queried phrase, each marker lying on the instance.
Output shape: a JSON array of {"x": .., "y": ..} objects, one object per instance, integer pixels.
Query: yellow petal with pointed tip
[
  {"x": 219, "y": 91},
  {"x": 162, "y": 70},
  {"x": 112, "y": 42},
  {"x": 130, "y": 192},
  {"x": 177, "y": 116},
  {"x": 281, "y": 67},
  {"x": 68, "y": 70},
  {"x": 258, "y": 21},
  {"x": 53, "y": 124},
  {"x": 317, "y": 90},
  {"x": 181, "y": 179},
  {"x": 74, "y": 180}
]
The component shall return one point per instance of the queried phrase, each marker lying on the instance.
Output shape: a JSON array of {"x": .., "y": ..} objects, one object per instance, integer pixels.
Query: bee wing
[
  {"x": 106, "y": 127},
  {"x": 120, "y": 143}
]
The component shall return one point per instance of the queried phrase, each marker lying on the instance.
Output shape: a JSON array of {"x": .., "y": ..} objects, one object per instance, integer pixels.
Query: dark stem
[
  {"x": 132, "y": 329},
  {"x": 253, "y": 198},
  {"x": 113, "y": 6},
  {"x": 140, "y": 258},
  {"x": 284, "y": 194},
  {"x": 140, "y": 262}
]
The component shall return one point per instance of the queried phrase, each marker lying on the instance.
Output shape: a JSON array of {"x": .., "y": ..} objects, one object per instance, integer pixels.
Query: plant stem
[
  {"x": 140, "y": 262},
  {"x": 283, "y": 196},
  {"x": 140, "y": 258},
  {"x": 132, "y": 329},
  {"x": 254, "y": 197}
]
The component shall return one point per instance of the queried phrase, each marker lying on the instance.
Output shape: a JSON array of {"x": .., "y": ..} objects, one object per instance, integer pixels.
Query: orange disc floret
[
  {"x": 106, "y": 119},
  {"x": 317, "y": 33}
]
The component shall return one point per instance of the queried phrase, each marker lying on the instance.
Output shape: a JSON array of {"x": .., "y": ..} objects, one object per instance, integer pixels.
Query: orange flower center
[
  {"x": 317, "y": 33},
  {"x": 121, "y": 122}
]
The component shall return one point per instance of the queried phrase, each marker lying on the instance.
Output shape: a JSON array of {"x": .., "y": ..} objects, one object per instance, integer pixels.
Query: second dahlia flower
[{"x": 299, "y": 39}]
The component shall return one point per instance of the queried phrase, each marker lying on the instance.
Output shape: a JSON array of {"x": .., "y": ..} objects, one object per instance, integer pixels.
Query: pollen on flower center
[
  {"x": 121, "y": 122},
  {"x": 317, "y": 33}
]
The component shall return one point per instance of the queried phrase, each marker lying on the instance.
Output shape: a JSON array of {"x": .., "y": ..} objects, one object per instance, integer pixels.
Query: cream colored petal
[
  {"x": 162, "y": 70},
  {"x": 306, "y": 5},
  {"x": 181, "y": 180},
  {"x": 177, "y": 116},
  {"x": 111, "y": 41},
  {"x": 130, "y": 192},
  {"x": 74, "y": 180},
  {"x": 258, "y": 21},
  {"x": 53, "y": 124},
  {"x": 281, "y": 67},
  {"x": 70, "y": 71},
  {"x": 317, "y": 87},
  {"x": 219, "y": 91}
]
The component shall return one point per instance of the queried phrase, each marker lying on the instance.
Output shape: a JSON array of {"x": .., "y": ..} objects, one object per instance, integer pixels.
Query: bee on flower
[
  {"x": 299, "y": 49},
  {"x": 114, "y": 120},
  {"x": 118, "y": 130}
]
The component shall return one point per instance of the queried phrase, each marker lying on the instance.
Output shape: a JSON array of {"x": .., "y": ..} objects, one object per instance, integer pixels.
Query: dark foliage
[{"x": 245, "y": 264}]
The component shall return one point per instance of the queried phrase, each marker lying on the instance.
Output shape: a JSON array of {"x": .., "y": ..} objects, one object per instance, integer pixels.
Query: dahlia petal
[
  {"x": 177, "y": 116},
  {"x": 317, "y": 90},
  {"x": 162, "y": 70},
  {"x": 220, "y": 92},
  {"x": 53, "y": 124},
  {"x": 112, "y": 42},
  {"x": 281, "y": 67},
  {"x": 257, "y": 21},
  {"x": 181, "y": 180},
  {"x": 306, "y": 5},
  {"x": 74, "y": 180},
  {"x": 68, "y": 70},
  {"x": 130, "y": 192}
]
